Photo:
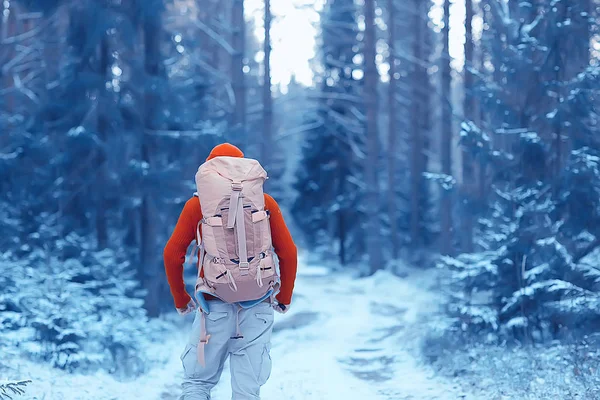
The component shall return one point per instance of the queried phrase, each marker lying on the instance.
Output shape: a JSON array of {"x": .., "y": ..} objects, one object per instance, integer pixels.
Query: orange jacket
[{"x": 185, "y": 233}]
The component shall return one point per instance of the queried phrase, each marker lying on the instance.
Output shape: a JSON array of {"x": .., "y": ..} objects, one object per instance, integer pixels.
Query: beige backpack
[{"x": 234, "y": 237}]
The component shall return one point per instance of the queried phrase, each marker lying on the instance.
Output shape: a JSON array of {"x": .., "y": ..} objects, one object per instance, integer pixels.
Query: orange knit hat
[{"x": 225, "y": 150}]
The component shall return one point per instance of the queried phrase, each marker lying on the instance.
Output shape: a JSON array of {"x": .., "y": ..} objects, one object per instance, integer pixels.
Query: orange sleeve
[
  {"x": 285, "y": 249},
  {"x": 174, "y": 253}
]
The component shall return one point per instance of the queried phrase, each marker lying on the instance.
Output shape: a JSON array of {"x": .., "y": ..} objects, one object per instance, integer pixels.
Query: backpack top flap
[
  {"x": 234, "y": 168},
  {"x": 215, "y": 177}
]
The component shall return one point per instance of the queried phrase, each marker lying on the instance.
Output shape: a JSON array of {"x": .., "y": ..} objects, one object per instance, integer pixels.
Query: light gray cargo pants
[{"x": 250, "y": 358}]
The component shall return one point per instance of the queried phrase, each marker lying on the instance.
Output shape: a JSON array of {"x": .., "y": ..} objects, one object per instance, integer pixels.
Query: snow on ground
[
  {"x": 344, "y": 338},
  {"x": 54, "y": 384},
  {"x": 351, "y": 339}
]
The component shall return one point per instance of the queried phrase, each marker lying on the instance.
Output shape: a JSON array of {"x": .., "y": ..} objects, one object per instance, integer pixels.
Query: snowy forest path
[{"x": 348, "y": 339}]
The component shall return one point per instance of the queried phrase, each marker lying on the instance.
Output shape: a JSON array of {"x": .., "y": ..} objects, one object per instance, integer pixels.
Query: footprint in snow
[
  {"x": 387, "y": 310},
  {"x": 296, "y": 321},
  {"x": 371, "y": 369},
  {"x": 386, "y": 333}
]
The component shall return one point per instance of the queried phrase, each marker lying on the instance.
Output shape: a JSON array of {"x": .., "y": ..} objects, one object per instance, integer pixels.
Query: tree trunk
[
  {"x": 370, "y": 88},
  {"x": 8, "y": 51},
  {"x": 416, "y": 156},
  {"x": 267, "y": 138},
  {"x": 587, "y": 31},
  {"x": 237, "y": 67},
  {"x": 392, "y": 131},
  {"x": 559, "y": 76},
  {"x": 149, "y": 266},
  {"x": 468, "y": 164},
  {"x": 3, "y": 57},
  {"x": 582, "y": 13},
  {"x": 446, "y": 142},
  {"x": 480, "y": 116},
  {"x": 103, "y": 126},
  {"x": 342, "y": 178},
  {"x": 342, "y": 236}
]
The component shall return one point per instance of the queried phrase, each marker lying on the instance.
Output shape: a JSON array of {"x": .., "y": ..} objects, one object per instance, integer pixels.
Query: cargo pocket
[
  {"x": 211, "y": 322},
  {"x": 264, "y": 318},
  {"x": 264, "y": 325},
  {"x": 214, "y": 322},
  {"x": 215, "y": 316},
  {"x": 266, "y": 364},
  {"x": 188, "y": 360}
]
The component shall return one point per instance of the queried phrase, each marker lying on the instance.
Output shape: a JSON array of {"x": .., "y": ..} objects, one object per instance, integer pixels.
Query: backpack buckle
[
  {"x": 244, "y": 265},
  {"x": 236, "y": 186}
]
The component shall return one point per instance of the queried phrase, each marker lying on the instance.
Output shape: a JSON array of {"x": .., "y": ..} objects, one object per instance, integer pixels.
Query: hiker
[{"x": 236, "y": 227}]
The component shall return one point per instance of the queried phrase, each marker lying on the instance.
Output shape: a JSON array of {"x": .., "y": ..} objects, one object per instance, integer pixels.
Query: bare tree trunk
[
  {"x": 583, "y": 13},
  {"x": 392, "y": 131},
  {"x": 468, "y": 164},
  {"x": 342, "y": 235},
  {"x": 9, "y": 16},
  {"x": 267, "y": 136},
  {"x": 446, "y": 209},
  {"x": 559, "y": 76},
  {"x": 342, "y": 213},
  {"x": 370, "y": 87},
  {"x": 480, "y": 115},
  {"x": 416, "y": 156},
  {"x": 103, "y": 125},
  {"x": 587, "y": 29},
  {"x": 149, "y": 266},
  {"x": 237, "y": 66},
  {"x": 3, "y": 51}
]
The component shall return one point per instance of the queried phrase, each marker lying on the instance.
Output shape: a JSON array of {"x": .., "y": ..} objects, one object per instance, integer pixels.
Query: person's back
[{"x": 239, "y": 327}]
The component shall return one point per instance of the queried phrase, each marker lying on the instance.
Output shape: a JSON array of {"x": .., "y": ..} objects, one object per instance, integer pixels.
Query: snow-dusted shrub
[
  {"x": 539, "y": 277},
  {"x": 554, "y": 370},
  {"x": 82, "y": 312}
]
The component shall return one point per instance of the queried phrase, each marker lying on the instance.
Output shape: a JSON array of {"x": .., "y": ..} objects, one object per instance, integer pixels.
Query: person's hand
[
  {"x": 280, "y": 308},
  {"x": 190, "y": 308}
]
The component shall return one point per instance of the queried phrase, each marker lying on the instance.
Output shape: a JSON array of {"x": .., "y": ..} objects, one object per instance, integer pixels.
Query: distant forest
[{"x": 488, "y": 167}]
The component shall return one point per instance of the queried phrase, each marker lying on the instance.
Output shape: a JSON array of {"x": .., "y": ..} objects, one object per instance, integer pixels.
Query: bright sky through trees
[{"x": 295, "y": 28}]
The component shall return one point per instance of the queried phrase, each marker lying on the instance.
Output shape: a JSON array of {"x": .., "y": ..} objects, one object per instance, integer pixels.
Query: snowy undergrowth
[
  {"x": 160, "y": 349},
  {"x": 74, "y": 308},
  {"x": 519, "y": 372},
  {"x": 505, "y": 369},
  {"x": 345, "y": 338}
]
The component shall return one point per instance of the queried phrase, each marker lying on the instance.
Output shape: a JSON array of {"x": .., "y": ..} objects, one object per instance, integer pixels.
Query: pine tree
[
  {"x": 539, "y": 232},
  {"x": 446, "y": 140},
  {"x": 267, "y": 96},
  {"x": 399, "y": 119},
  {"x": 393, "y": 132},
  {"x": 238, "y": 77},
  {"x": 469, "y": 176},
  {"x": 372, "y": 201},
  {"x": 330, "y": 178},
  {"x": 419, "y": 123},
  {"x": 151, "y": 267}
]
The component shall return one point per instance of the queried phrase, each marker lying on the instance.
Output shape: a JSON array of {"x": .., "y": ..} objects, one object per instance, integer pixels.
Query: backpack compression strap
[{"x": 236, "y": 219}]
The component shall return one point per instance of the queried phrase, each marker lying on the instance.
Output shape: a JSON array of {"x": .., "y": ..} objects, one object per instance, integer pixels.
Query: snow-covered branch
[{"x": 10, "y": 389}]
